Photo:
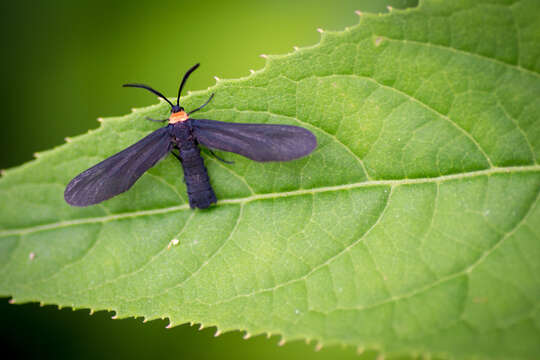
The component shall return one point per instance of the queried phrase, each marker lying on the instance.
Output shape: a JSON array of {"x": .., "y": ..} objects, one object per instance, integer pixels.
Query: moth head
[{"x": 174, "y": 108}]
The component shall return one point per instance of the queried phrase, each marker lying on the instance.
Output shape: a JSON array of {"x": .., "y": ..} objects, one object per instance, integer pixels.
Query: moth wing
[
  {"x": 259, "y": 142},
  {"x": 119, "y": 172}
]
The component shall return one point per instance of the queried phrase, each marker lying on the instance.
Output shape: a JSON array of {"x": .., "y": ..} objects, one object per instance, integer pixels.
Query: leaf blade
[{"x": 414, "y": 242}]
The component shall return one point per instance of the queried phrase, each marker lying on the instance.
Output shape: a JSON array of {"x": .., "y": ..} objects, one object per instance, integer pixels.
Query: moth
[{"x": 182, "y": 137}]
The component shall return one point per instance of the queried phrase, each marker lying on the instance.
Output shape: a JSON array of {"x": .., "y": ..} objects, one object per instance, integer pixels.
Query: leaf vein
[
  {"x": 467, "y": 53},
  {"x": 325, "y": 263},
  {"x": 421, "y": 103},
  {"x": 267, "y": 196}
]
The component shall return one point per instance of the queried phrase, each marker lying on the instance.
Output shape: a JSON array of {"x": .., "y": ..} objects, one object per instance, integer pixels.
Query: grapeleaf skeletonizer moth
[{"x": 259, "y": 142}]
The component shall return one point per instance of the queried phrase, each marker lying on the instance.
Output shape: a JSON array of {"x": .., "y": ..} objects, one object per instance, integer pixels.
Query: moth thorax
[{"x": 179, "y": 116}]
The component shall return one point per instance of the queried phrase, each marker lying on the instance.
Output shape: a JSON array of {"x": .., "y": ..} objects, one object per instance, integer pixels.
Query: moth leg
[
  {"x": 203, "y": 105},
  {"x": 154, "y": 120},
  {"x": 220, "y": 159},
  {"x": 176, "y": 156}
]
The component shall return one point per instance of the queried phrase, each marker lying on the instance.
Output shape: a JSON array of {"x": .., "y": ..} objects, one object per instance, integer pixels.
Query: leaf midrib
[{"x": 270, "y": 196}]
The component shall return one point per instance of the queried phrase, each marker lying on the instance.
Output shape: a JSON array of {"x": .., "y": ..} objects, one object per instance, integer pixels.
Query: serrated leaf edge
[{"x": 324, "y": 34}]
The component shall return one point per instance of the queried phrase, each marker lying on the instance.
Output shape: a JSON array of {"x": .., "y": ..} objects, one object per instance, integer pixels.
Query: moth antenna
[
  {"x": 142, "y": 86},
  {"x": 186, "y": 75}
]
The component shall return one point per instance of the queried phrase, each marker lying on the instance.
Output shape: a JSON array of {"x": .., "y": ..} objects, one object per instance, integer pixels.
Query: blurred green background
[{"x": 63, "y": 63}]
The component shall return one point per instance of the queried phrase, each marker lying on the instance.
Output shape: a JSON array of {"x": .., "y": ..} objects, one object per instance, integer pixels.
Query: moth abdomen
[{"x": 200, "y": 192}]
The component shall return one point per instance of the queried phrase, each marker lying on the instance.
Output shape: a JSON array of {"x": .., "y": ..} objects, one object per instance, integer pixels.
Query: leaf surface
[{"x": 413, "y": 228}]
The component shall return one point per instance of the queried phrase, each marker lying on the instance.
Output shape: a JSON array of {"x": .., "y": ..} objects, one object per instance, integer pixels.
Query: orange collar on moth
[{"x": 179, "y": 116}]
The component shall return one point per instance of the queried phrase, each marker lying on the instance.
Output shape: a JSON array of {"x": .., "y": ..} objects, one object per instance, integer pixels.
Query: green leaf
[{"x": 413, "y": 228}]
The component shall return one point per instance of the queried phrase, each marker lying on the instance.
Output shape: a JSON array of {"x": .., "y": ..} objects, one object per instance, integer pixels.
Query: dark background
[{"x": 63, "y": 63}]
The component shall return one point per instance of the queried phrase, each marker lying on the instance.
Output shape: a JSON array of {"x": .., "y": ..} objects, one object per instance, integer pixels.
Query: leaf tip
[
  {"x": 68, "y": 139},
  {"x": 246, "y": 336},
  {"x": 100, "y": 119},
  {"x": 282, "y": 342},
  {"x": 264, "y": 56},
  {"x": 296, "y": 48},
  {"x": 252, "y": 71},
  {"x": 2, "y": 172},
  {"x": 390, "y": 8},
  {"x": 114, "y": 317},
  {"x": 37, "y": 155},
  {"x": 318, "y": 347},
  {"x": 201, "y": 327},
  {"x": 169, "y": 325},
  {"x": 378, "y": 40},
  {"x": 217, "y": 79},
  {"x": 31, "y": 256},
  {"x": 217, "y": 333},
  {"x": 360, "y": 350},
  {"x": 320, "y": 30},
  {"x": 91, "y": 312},
  {"x": 11, "y": 301},
  {"x": 359, "y": 13}
]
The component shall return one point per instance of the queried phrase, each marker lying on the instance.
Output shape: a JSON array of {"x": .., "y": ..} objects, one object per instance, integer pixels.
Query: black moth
[{"x": 259, "y": 142}]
